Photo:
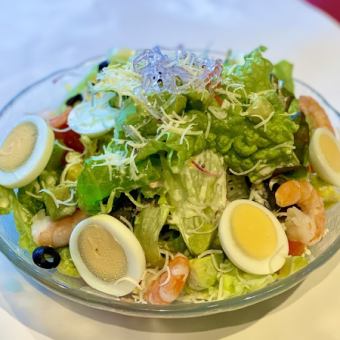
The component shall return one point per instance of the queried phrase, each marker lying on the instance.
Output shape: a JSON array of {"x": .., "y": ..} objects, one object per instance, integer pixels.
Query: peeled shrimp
[
  {"x": 308, "y": 224},
  {"x": 315, "y": 114},
  {"x": 168, "y": 286},
  {"x": 46, "y": 232}
]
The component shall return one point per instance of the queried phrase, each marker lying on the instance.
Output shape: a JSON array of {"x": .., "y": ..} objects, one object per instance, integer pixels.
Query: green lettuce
[
  {"x": 96, "y": 183},
  {"x": 258, "y": 151},
  {"x": 197, "y": 195},
  {"x": 292, "y": 265},
  {"x": 237, "y": 188},
  {"x": 283, "y": 70},
  {"x": 254, "y": 72},
  {"x": 229, "y": 282},
  {"x": 33, "y": 204},
  {"x": 148, "y": 225},
  {"x": 6, "y": 200},
  {"x": 203, "y": 273},
  {"x": 329, "y": 193},
  {"x": 61, "y": 193},
  {"x": 22, "y": 217},
  {"x": 172, "y": 240},
  {"x": 66, "y": 265}
]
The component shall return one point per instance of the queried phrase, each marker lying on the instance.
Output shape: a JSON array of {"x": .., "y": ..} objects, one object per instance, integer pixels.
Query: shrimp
[
  {"x": 46, "y": 232},
  {"x": 315, "y": 114},
  {"x": 169, "y": 285},
  {"x": 308, "y": 224}
]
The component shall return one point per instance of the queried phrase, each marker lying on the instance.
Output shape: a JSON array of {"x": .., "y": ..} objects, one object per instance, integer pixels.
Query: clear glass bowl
[{"x": 45, "y": 95}]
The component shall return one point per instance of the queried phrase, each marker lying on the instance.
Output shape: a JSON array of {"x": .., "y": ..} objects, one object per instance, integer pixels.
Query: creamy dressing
[{"x": 18, "y": 146}]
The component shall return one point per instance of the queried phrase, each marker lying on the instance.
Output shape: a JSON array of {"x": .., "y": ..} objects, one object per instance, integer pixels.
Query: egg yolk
[
  {"x": 330, "y": 150},
  {"x": 102, "y": 254},
  {"x": 253, "y": 231},
  {"x": 18, "y": 146}
]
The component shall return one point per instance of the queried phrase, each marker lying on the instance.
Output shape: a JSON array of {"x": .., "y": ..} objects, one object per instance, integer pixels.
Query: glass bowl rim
[{"x": 180, "y": 310}]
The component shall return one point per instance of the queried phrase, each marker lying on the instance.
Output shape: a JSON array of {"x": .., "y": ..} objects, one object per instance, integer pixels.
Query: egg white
[
  {"x": 318, "y": 159},
  {"x": 93, "y": 119},
  {"x": 37, "y": 161},
  {"x": 242, "y": 260},
  {"x": 133, "y": 250}
]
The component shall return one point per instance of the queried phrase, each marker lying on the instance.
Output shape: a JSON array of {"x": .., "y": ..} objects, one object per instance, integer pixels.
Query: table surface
[{"x": 38, "y": 37}]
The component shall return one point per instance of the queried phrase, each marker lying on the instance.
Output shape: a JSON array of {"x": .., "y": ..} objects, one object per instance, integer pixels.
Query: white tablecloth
[{"x": 38, "y": 37}]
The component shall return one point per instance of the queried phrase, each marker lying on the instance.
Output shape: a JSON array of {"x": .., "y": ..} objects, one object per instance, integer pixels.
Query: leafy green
[
  {"x": 172, "y": 240},
  {"x": 284, "y": 71},
  {"x": 259, "y": 151},
  {"x": 237, "y": 283},
  {"x": 33, "y": 204},
  {"x": 57, "y": 157},
  {"x": 23, "y": 222},
  {"x": 301, "y": 139},
  {"x": 329, "y": 193},
  {"x": 66, "y": 265},
  {"x": 148, "y": 225},
  {"x": 230, "y": 282},
  {"x": 292, "y": 264},
  {"x": 6, "y": 200},
  {"x": 96, "y": 183},
  {"x": 203, "y": 273},
  {"x": 254, "y": 73},
  {"x": 197, "y": 196},
  {"x": 237, "y": 188},
  {"x": 61, "y": 193},
  {"x": 22, "y": 217}
]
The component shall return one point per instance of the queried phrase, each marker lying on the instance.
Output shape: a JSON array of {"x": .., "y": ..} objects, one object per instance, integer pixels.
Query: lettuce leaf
[
  {"x": 23, "y": 222},
  {"x": 292, "y": 265},
  {"x": 62, "y": 193},
  {"x": 230, "y": 282},
  {"x": 29, "y": 202},
  {"x": 255, "y": 72},
  {"x": 6, "y": 200},
  {"x": 197, "y": 195},
  {"x": 284, "y": 71},
  {"x": 66, "y": 265},
  {"x": 96, "y": 183},
  {"x": 22, "y": 217},
  {"x": 148, "y": 225},
  {"x": 203, "y": 273}
]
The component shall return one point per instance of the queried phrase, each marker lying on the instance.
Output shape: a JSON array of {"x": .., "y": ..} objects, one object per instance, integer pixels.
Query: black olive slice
[{"x": 46, "y": 257}]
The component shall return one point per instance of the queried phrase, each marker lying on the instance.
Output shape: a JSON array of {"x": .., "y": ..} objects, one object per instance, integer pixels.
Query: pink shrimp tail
[{"x": 164, "y": 290}]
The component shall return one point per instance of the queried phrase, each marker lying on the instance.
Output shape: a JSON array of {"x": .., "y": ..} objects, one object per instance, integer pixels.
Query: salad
[{"x": 174, "y": 176}]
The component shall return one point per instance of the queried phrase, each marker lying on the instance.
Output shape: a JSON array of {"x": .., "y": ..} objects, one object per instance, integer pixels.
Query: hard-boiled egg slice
[
  {"x": 93, "y": 118},
  {"x": 252, "y": 237},
  {"x": 107, "y": 255},
  {"x": 25, "y": 151},
  {"x": 324, "y": 152}
]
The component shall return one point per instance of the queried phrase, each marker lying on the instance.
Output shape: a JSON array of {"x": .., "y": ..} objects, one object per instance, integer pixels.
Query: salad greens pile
[{"x": 187, "y": 139}]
